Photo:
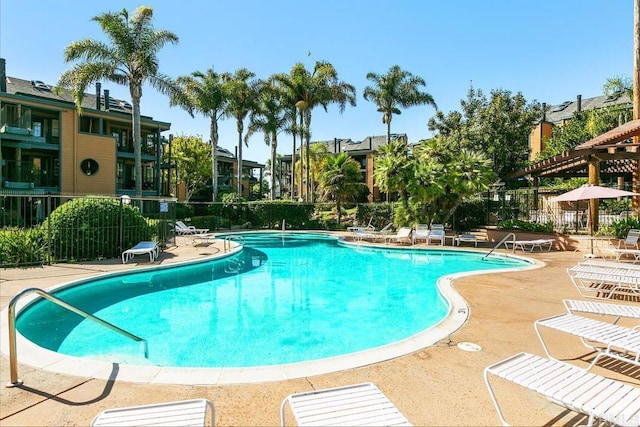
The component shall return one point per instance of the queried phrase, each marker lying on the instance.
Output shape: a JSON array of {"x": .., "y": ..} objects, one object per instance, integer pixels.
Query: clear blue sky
[{"x": 550, "y": 50}]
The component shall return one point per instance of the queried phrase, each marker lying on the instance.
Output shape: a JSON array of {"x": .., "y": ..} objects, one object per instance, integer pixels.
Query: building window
[{"x": 90, "y": 125}]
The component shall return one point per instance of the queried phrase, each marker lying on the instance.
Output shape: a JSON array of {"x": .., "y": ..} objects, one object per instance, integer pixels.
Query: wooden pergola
[{"x": 614, "y": 154}]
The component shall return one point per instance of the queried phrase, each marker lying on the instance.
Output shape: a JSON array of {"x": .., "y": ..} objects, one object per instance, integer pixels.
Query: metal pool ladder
[
  {"x": 13, "y": 354},
  {"x": 504, "y": 239},
  {"x": 228, "y": 239}
]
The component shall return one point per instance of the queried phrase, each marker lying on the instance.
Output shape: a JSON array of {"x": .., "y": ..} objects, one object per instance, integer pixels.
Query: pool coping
[{"x": 37, "y": 357}]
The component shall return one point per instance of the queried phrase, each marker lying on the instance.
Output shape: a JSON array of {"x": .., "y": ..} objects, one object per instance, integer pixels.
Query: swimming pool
[{"x": 285, "y": 298}]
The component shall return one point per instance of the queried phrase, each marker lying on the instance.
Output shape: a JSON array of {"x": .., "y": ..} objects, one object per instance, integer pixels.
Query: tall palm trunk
[
  {"x": 274, "y": 146},
  {"x": 136, "y": 94},
  {"x": 389, "y": 129},
  {"x": 292, "y": 189},
  {"x": 240, "y": 131},
  {"x": 214, "y": 157},
  {"x": 307, "y": 124},
  {"x": 302, "y": 133}
]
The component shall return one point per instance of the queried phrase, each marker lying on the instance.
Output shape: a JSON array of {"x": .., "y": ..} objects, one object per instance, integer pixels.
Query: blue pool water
[{"x": 284, "y": 298}]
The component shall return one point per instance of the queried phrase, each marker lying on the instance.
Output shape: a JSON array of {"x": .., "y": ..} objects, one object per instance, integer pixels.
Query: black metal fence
[
  {"x": 45, "y": 228},
  {"x": 36, "y": 228}
]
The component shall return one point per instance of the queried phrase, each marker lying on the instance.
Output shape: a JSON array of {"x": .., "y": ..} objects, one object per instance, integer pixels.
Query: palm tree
[
  {"x": 340, "y": 180},
  {"x": 204, "y": 93},
  {"x": 287, "y": 85},
  {"x": 277, "y": 170},
  {"x": 317, "y": 154},
  {"x": 394, "y": 90},
  {"x": 269, "y": 116},
  {"x": 392, "y": 169},
  {"x": 241, "y": 90},
  {"x": 319, "y": 87},
  {"x": 130, "y": 59}
]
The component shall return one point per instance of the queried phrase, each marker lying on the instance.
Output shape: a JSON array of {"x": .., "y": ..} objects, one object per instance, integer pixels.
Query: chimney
[
  {"x": 3, "y": 75},
  {"x": 107, "y": 100},
  {"x": 544, "y": 112},
  {"x": 370, "y": 143},
  {"x": 579, "y": 102},
  {"x": 98, "y": 92}
]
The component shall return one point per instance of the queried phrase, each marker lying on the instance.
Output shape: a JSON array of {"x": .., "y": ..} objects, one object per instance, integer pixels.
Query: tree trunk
[
  {"x": 274, "y": 146},
  {"x": 389, "y": 129},
  {"x": 307, "y": 124},
  {"x": 292, "y": 187},
  {"x": 239, "y": 186},
  {"x": 302, "y": 133},
  {"x": 636, "y": 98},
  {"x": 136, "y": 93},
  {"x": 214, "y": 156}
]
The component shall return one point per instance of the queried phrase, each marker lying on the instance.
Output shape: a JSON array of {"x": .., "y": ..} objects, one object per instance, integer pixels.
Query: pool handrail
[
  {"x": 504, "y": 239},
  {"x": 229, "y": 238},
  {"x": 13, "y": 354}
]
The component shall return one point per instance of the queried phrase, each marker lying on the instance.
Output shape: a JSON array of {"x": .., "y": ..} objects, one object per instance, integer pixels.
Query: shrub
[
  {"x": 469, "y": 215},
  {"x": 619, "y": 228},
  {"x": 91, "y": 228},
  {"x": 518, "y": 225},
  {"x": 382, "y": 214},
  {"x": 19, "y": 247}
]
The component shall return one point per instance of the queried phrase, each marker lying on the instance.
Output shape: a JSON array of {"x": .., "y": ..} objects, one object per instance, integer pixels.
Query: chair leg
[{"x": 494, "y": 399}]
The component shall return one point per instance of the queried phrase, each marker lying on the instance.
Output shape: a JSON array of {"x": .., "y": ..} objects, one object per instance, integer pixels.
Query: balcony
[{"x": 23, "y": 175}]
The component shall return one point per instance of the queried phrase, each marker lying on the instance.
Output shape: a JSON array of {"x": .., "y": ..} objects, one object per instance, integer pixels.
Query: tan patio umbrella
[{"x": 590, "y": 192}]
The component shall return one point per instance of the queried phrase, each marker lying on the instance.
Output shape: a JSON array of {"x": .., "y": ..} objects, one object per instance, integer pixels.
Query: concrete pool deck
[{"x": 437, "y": 385}]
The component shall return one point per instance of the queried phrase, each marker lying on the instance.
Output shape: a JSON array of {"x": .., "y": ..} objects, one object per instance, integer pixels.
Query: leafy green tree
[
  {"x": 270, "y": 117},
  {"x": 618, "y": 85},
  {"x": 499, "y": 126},
  {"x": 340, "y": 180},
  {"x": 241, "y": 90},
  {"x": 583, "y": 127},
  {"x": 204, "y": 93},
  {"x": 394, "y": 90},
  {"x": 130, "y": 59},
  {"x": 192, "y": 158}
]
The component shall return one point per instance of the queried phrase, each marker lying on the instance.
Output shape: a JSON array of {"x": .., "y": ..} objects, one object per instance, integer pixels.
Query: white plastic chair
[
  {"x": 631, "y": 241},
  {"x": 180, "y": 413},
  {"x": 354, "y": 405},
  {"x": 597, "y": 397}
]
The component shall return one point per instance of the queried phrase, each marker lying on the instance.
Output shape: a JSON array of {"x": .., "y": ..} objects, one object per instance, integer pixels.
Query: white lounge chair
[
  {"x": 436, "y": 233},
  {"x": 355, "y": 405},
  {"x": 604, "y": 279},
  {"x": 602, "y": 308},
  {"x": 183, "y": 229},
  {"x": 142, "y": 248},
  {"x": 466, "y": 238},
  {"x": 619, "y": 253},
  {"x": 566, "y": 385},
  {"x": 421, "y": 232},
  {"x": 180, "y": 413},
  {"x": 404, "y": 233},
  {"x": 530, "y": 245},
  {"x": 618, "y": 342},
  {"x": 631, "y": 241},
  {"x": 368, "y": 227}
]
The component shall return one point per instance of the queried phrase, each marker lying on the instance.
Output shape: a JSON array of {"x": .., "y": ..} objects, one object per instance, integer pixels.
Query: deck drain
[{"x": 469, "y": 346}]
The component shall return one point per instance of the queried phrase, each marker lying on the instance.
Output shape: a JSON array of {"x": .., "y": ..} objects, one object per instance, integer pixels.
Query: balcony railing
[
  {"x": 14, "y": 116},
  {"x": 24, "y": 172}
]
